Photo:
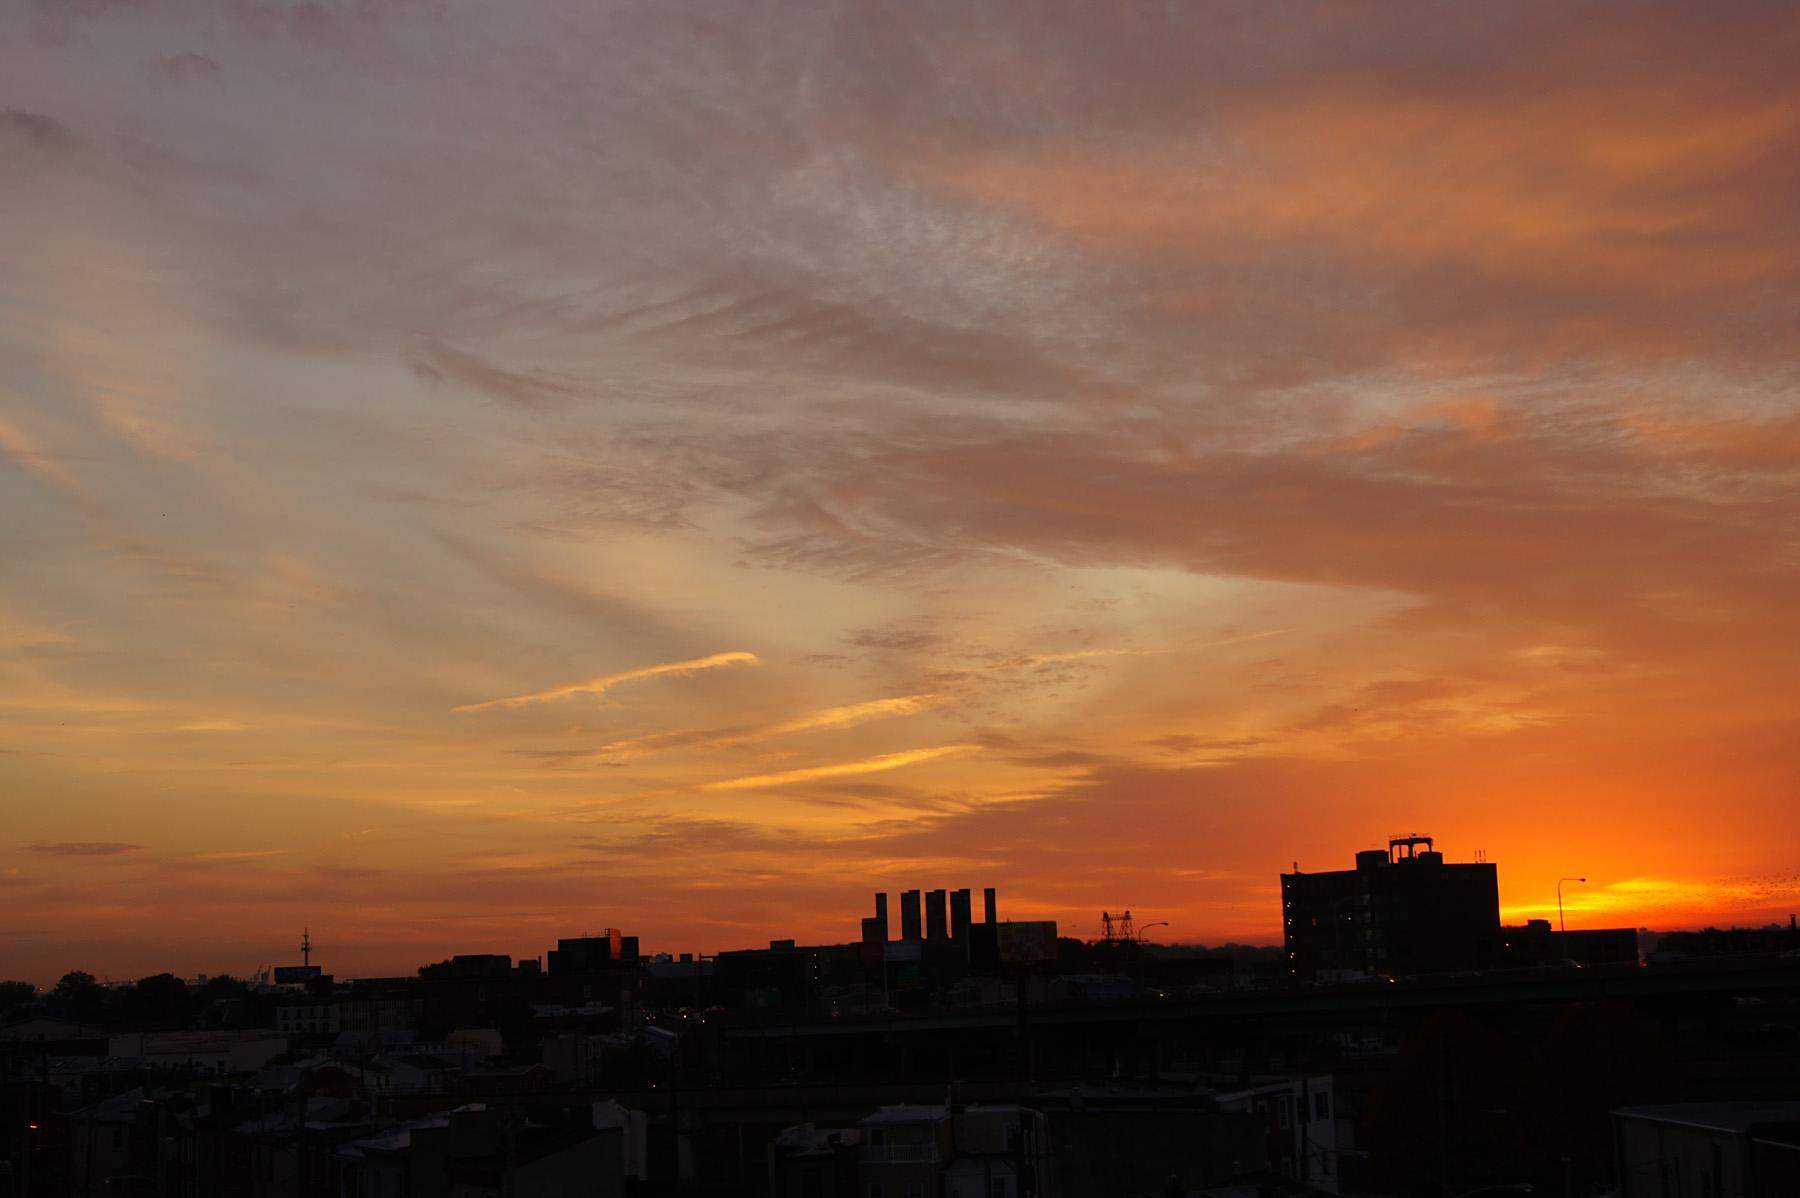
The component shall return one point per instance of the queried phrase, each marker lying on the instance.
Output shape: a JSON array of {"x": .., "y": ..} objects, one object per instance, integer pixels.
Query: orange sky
[{"x": 474, "y": 475}]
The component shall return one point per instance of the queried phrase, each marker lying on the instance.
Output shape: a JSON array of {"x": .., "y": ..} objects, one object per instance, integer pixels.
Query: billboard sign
[{"x": 1027, "y": 942}]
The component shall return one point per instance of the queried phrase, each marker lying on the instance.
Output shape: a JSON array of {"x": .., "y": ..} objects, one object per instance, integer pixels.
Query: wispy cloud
[
  {"x": 21, "y": 447},
  {"x": 237, "y": 855},
  {"x": 82, "y": 848},
  {"x": 512, "y": 387},
  {"x": 847, "y": 716},
  {"x": 843, "y": 769},
  {"x": 604, "y": 683},
  {"x": 854, "y": 713},
  {"x": 1045, "y": 659},
  {"x": 1028, "y": 660}
]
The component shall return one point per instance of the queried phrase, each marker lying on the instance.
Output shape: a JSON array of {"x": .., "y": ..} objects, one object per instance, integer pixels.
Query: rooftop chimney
[
  {"x": 937, "y": 927},
  {"x": 960, "y": 916}
]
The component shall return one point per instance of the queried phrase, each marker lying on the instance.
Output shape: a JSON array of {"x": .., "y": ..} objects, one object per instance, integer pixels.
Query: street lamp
[
  {"x": 1561, "y": 925},
  {"x": 1161, "y": 923}
]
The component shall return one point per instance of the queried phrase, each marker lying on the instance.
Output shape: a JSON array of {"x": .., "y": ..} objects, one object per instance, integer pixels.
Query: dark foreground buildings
[{"x": 942, "y": 1052}]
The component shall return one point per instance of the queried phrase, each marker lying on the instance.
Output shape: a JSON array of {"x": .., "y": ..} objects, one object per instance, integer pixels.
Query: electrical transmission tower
[{"x": 1117, "y": 928}]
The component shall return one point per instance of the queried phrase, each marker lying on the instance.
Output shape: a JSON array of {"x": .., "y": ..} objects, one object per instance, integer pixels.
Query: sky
[{"x": 478, "y": 473}]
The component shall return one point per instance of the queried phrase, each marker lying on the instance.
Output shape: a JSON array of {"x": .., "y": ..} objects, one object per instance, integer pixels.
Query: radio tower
[{"x": 306, "y": 946}]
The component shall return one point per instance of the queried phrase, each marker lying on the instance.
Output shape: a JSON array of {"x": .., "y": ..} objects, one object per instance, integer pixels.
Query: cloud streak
[
  {"x": 842, "y": 769},
  {"x": 599, "y": 686},
  {"x": 83, "y": 848},
  {"x": 847, "y": 716}
]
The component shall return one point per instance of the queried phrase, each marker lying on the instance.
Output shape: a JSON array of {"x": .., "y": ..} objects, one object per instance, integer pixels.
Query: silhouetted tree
[
  {"x": 223, "y": 985},
  {"x": 77, "y": 996},
  {"x": 225, "y": 1001},
  {"x": 161, "y": 997},
  {"x": 14, "y": 995}
]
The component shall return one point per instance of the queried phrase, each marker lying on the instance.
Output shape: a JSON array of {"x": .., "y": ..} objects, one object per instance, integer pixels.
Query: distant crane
[{"x": 1115, "y": 929}]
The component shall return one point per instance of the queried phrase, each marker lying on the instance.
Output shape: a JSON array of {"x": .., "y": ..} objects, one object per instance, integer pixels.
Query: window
[
  {"x": 997, "y": 1188},
  {"x": 1284, "y": 1111},
  {"x": 916, "y": 1190},
  {"x": 874, "y": 1189},
  {"x": 1322, "y": 1105}
]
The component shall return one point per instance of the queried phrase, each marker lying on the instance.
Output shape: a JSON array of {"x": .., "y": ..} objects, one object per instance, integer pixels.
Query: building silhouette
[{"x": 1401, "y": 911}]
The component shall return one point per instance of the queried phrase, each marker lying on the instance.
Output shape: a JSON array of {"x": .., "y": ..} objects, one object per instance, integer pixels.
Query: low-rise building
[
  {"x": 1537, "y": 943},
  {"x": 999, "y": 1151},
  {"x": 1309, "y": 1135},
  {"x": 1713, "y": 1149},
  {"x": 814, "y": 1162},
  {"x": 483, "y": 1151},
  {"x": 108, "y": 1147},
  {"x": 308, "y": 1015},
  {"x": 1149, "y": 1138},
  {"x": 221, "y": 1052},
  {"x": 918, "y": 1151}
]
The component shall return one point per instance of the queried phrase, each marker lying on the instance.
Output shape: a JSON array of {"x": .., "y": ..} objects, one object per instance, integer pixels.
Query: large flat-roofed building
[
  {"x": 1537, "y": 943},
  {"x": 1401, "y": 911},
  {"x": 1713, "y": 1149}
]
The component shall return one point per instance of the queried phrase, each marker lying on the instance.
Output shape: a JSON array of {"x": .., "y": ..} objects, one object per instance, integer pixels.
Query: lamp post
[
  {"x": 1161, "y": 923},
  {"x": 1561, "y": 925}
]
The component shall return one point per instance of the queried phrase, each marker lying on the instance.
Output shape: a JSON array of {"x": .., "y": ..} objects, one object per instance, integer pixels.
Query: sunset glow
[{"x": 470, "y": 476}]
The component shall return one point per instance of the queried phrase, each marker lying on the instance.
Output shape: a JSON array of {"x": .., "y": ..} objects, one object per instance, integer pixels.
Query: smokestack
[
  {"x": 960, "y": 918},
  {"x": 909, "y": 915},
  {"x": 881, "y": 916},
  {"x": 936, "y": 926},
  {"x": 989, "y": 907}
]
